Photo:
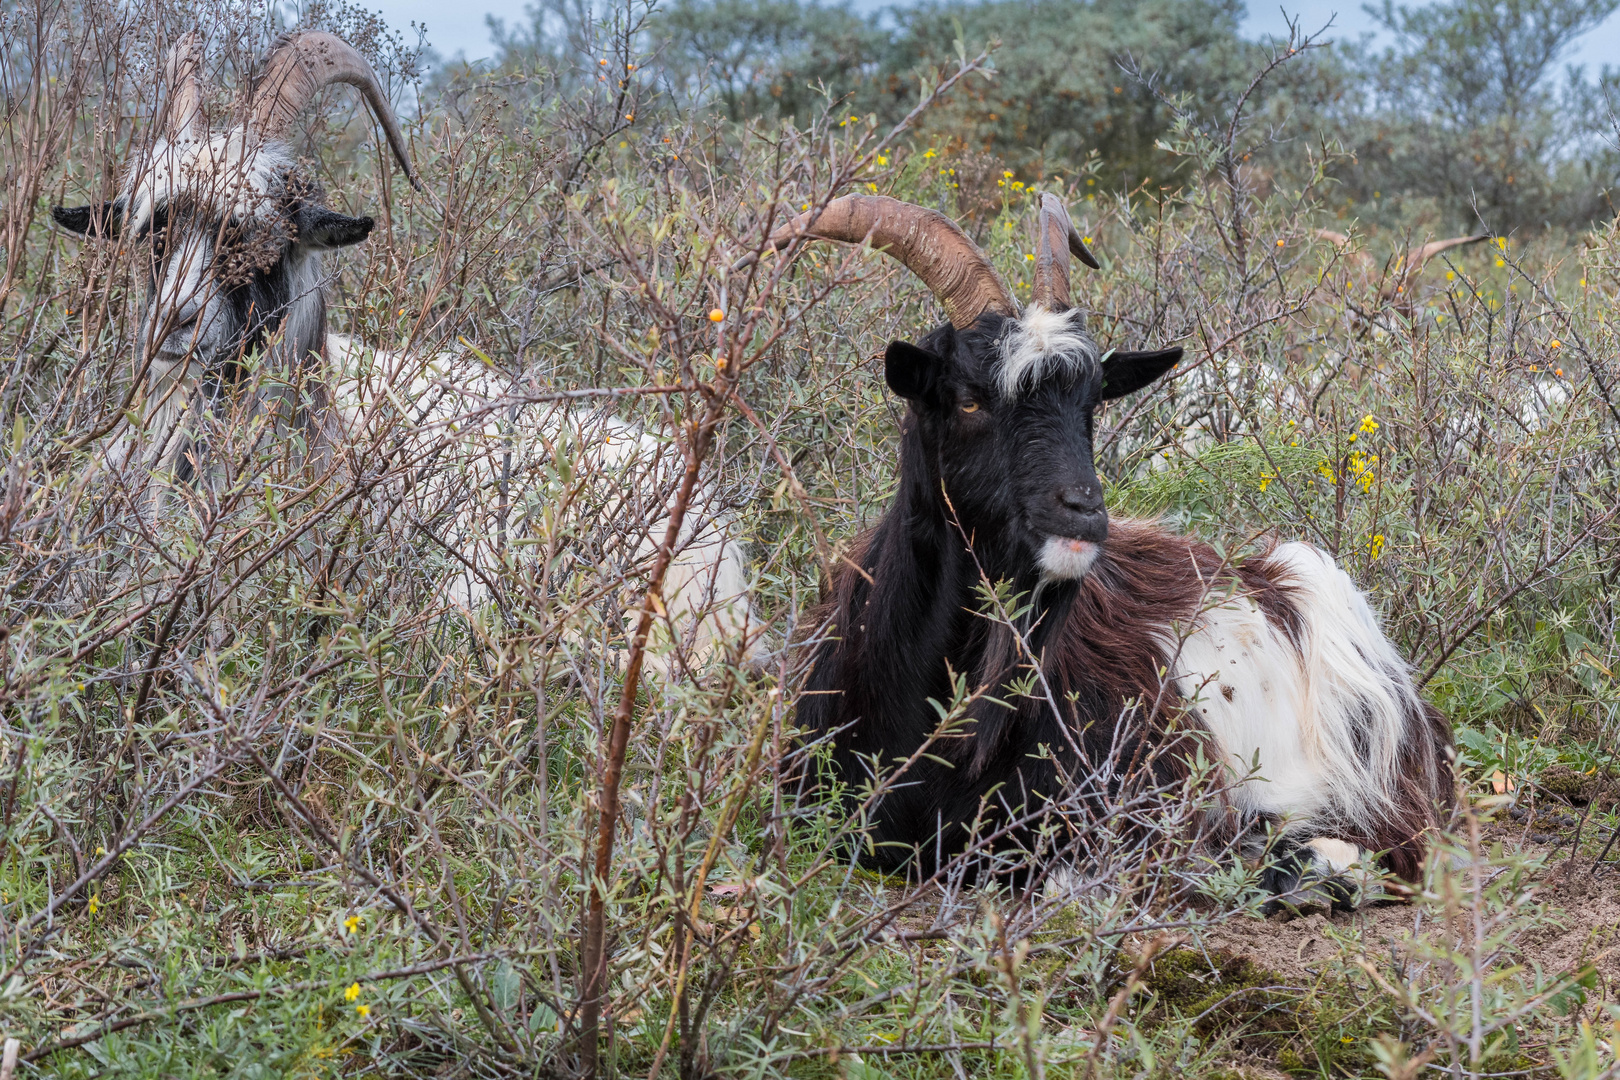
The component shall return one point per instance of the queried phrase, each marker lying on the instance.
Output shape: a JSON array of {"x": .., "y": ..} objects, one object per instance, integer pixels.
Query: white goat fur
[
  {"x": 188, "y": 329},
  {"x": 1040, "y": 342},
  {"x": 705, "y": 592},
  {"x": 1297, "y": 711}
]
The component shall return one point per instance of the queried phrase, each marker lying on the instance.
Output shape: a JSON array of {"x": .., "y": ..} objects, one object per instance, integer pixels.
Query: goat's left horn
[
  {"x": 1056, "y": 239},
  {"x": 931, "y": 245},
  {"x": 302, "y": 63},
  {"x": 1416, "y": 257},
  {"x": 185, "y": 91}
]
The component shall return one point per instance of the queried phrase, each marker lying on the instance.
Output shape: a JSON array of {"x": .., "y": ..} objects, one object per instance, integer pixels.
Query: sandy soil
[{"x": 1584, "y": 906}]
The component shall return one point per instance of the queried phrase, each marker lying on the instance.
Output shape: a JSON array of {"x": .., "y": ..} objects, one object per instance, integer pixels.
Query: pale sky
[{"x": 459, "y": 27}]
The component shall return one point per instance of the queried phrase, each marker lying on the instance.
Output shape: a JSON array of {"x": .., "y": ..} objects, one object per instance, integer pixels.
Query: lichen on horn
[
  {"x": 300, "y": 64},
  {"x": 1056, "y": 239},
  {"x": 926, "y": 241}
]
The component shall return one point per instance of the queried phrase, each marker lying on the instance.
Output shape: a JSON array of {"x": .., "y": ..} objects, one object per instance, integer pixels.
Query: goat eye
[{"x": 972, "y": 406}]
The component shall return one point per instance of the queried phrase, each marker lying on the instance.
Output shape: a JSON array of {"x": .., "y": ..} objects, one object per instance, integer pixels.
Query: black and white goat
[
  {"x": 233, "y": 233},
  {"x": 1149, "y": 645}
]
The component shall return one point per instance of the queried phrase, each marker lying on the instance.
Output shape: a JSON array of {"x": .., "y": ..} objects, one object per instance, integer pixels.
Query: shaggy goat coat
[{"x": 1154, "y": 649}]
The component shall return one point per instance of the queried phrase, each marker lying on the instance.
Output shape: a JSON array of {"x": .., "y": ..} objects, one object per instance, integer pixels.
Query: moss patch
[
  {"x": 1575, "y": 786},
  {"x": 1302, "y": 1030}
]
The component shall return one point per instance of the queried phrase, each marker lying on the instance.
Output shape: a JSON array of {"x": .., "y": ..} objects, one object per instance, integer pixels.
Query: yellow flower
[
  {"x": 716, "y": 315},
  {"x": 1501, "y": 243},
  {"x": 1377, "y": 545},
  {"x": 1029, "y": 257},
  {"x": 363, "y": 1011},
  {"x": 1501, "y": 262},
  {"x": 352, "y": 992},
  {"x": 352, "y": 923},
  {"x": 1091, "y": 183},
  {"x": 928, "y": 153},
  {"x": 882, "y": 160},
  {"x": 1451, "y": 275},
  {"x": 1368, "y": 424},
  {"x": 1008, "y": 175},
  {"x": 1266, "y": 479},
  {"x": 95, "y": 904}
]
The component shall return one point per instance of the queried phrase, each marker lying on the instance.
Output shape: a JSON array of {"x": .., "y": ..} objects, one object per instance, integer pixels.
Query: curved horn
[
  {"x": 301, "y": 63},
  {"x": 1056, "y": 239},
  {"x": 926, "y": 241},
  {"x": 185, "y": 92},
  {"x": 1416, "y": 257},
  {"x": 1407, "y": 267}
]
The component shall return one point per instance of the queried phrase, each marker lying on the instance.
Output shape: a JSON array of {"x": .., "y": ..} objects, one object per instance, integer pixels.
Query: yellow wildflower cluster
[
  {"x": 1360, "y": 467},
  {"x": 1367, "y": 426},
  {"x": 361, "y": 1010},
  {"x": 1377, "y": 546}
]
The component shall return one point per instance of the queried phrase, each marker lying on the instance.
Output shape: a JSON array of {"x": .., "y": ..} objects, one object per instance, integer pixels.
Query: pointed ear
[
  {"x": 1127, "y": 372},
  {"x": 95, "y": 221},
  {"x": 911, "y": 372},
  {"x": 323, "y": 229}
]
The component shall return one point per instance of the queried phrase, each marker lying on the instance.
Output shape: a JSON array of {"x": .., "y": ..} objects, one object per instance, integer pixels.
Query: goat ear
[
  {"x": 323, "y": 229},
  {"x": 92, "y": 220},
  {"x": 1127, "y": 372},
  {"x": 911, "y": 372}
]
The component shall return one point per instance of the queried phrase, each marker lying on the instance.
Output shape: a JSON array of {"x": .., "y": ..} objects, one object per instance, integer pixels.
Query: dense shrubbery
[
  {"x": 1468, "y": 117},
  {"x": 272, "y": 805}
]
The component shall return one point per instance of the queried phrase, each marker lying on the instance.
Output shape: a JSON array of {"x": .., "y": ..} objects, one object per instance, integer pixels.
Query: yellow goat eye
[{"x": 972, "y": 406}]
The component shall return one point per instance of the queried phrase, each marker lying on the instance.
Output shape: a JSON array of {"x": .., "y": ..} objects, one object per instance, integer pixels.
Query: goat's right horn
[
  {"x": 930, "y": 244},
  {"x": 298, "y": 65},
  {"x": 180, "y": 70},
  {"x": 1056, "y": 239}
]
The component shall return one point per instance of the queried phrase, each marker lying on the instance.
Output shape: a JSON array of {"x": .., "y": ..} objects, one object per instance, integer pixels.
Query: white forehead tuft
[
  {"x": 1039, "y": 343},
  {"x": 235, "y": 173}
]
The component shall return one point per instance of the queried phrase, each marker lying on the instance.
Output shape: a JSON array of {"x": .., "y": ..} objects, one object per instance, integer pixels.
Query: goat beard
[{"x": 1065, "y": 559}]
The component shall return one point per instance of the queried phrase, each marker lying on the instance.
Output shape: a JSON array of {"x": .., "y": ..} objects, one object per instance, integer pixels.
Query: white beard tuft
[{"x": 1065, "y": 559}]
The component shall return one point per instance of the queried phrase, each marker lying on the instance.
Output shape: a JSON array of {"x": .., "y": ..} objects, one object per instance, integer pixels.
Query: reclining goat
[
  {"x": 1149, "y": 645},
  {"x": 234, "y": 327}
]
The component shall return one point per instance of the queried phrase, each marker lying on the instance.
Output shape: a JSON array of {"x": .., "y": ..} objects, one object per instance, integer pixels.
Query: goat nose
[{"x": 1082, "y": 499}]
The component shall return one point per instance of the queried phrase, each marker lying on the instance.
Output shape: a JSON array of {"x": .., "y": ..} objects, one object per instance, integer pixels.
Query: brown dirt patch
[{"x": 1586, "y": 927}]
